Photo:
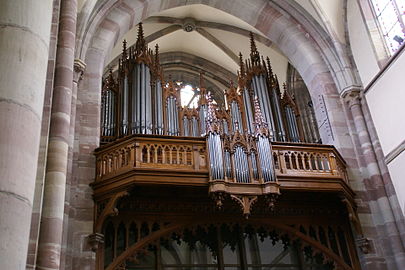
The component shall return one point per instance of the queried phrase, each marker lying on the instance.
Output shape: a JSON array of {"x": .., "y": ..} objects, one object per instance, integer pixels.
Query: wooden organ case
[{"x": 228, "y": 186}]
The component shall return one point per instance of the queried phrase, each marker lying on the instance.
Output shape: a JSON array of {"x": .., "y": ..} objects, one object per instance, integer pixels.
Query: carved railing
[
  {"x": 187, "y": 154},
  {"x": 308, "y": 160},
  {"x": 151, "y": 152}
]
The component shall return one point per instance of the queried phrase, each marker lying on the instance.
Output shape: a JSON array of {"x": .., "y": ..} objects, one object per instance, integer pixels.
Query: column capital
[
  {"x": 95, "y": 240},
  {"x": 78, "y": 67},
  {"x": 352, "y": 96}
]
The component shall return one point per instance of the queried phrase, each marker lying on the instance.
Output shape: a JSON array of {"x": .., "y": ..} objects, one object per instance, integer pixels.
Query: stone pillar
[
  {"x": 79, "y": 67},
  {"x": 43, "y": 146},
  {"x": 378, "y": 197},
  {"x": 24, "y": 43},
  {"x": 50, "y": 238}
]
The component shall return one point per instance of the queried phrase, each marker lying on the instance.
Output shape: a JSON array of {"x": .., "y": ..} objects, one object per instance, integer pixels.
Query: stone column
[
  {"x": 24, "y": 43},
  {"x": 50, "y": 238},
  {"x": 378, "y": 197},
  {"x": 79, "y": 67}
]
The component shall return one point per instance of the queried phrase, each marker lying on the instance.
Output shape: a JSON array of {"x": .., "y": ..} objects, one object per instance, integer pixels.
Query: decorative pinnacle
[
  {"x": 140, "y": 41},
  {"x": 270, "y": 70},
  {"x": 202, "y": 84},
  {"x": 211, "y": 115},
  {"x": 124, "y": 49},
  {"x": 259, "y": 119},
  {"x": 231, "y": 91},
  {"x": 110, "y": 79},
  {"x": 241, "y": 64},
  {"x": 261, "y": 125},
  {"x": 157, "y": 61},
  {"x": 254, "y": 54}
]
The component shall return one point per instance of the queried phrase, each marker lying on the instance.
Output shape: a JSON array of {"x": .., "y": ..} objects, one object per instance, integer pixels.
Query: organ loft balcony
[{"x": 251, "y": 146}]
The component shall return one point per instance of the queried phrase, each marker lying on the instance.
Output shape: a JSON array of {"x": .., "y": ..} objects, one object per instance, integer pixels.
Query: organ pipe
[
  {"x": 108, "y": 108},
  {"x": 214, "y": 143},
  {"x": 159, "y": 126}
]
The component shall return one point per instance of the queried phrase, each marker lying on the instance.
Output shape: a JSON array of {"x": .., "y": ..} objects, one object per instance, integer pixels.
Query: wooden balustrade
[
  {"x": 183, "y": 160},
  {"x": 151, "y": 152},
  {"x": 308, "y": 160}
]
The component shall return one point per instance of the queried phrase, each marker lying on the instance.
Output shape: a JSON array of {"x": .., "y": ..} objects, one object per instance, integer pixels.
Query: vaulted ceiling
[{"x": 202, "y": 32}]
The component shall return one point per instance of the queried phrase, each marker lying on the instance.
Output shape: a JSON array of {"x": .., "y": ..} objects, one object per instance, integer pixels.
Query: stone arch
[
  {"x": 308, "y": 50},
  {"x": 283, "y": 229}
]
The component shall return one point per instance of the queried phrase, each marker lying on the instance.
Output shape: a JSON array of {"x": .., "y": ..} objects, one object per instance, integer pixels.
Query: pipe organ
[
  {"x": 243, "y": 151},
  {"x": 238, "y": 134}
]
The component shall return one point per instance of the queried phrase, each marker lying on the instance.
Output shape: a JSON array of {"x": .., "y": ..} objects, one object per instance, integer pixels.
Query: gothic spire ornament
[
  {"x": 254, "y": 54},
  {"x": 260, "y": 122},
  {"x": 140, "y": 45},
  {"x": 212, "y": 120}
]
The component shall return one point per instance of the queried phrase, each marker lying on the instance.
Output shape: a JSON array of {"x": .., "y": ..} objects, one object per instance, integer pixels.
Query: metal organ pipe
[
  {"x": 185, "y": 127},
  {"x": 254, "y": 166},
  {"x": 291, "y": 124},
  {"x": 176, "y": 118},
  {"x": 260, "y": 89},
  {"x": 248, "y": 111},
  {"x": 108, "y": 112},
  {"x": 267, "y": 102},
  {"x": 124, "y": 107},
  {"x": 277, "y": 113},
  {"x": 111, "y": 114},
  {"x": 134, "y": 100},
  {"x": 105, "y": 127},
  {"x": 216, "y": 158},
  {"x": 228, "y": 165},
  {"x": 237, "y": 165},
  {"x": 102, "y": 121},
  {"x": 195, "y": 132},
  {"x": 265, "y": 158},
  {"x": 148, "y": 101},
  {"x": 109, "y": 97},
  {"x": 169, "y": 116},
  {"x": 203, "y": 113},
  {"x": 141, "y": 103},
  {"x": 159, "y": 108},
  {"x": 172, "y": 117},
  {"x": 236, "y": 117}
]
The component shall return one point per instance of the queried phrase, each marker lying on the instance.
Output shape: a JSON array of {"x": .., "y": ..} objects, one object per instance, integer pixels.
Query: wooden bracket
[
  {"x": 245, "y": 202},
  {"x": 109, "y": 210}
]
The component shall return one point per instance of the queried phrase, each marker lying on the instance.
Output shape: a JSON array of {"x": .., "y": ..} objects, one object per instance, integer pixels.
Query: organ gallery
[{"x": 215, "y": 184}]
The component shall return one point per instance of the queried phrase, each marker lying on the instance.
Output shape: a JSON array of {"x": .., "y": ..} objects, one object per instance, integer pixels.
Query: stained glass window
[{"x": 391, "y": 15}]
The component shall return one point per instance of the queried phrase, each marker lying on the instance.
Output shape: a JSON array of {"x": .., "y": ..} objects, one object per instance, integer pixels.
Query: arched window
[
  {"x": 189, "y": 95},
  {"x": 390, "y": 15}
]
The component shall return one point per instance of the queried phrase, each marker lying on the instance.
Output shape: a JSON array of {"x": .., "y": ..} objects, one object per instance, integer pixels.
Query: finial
[
  {"x": 110, "y": 83},
  {"x": 259, "y": 119},
  {"x": 211, "y": 110},
  {"x": 124, "y": 49},
  {"x": 157, "y": 60},
  {"x": 202, "y": 84},
  {"x": 260, "y": 123},
  {"x": 254, "y": 54},
  {"x": 270, "y": 70},
  {"x": 140, "y": 42},
  {"x": 241, "y": 64}
]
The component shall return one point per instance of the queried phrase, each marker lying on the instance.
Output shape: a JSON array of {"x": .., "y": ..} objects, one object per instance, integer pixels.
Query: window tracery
[{"x": 390, "y": 15}]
